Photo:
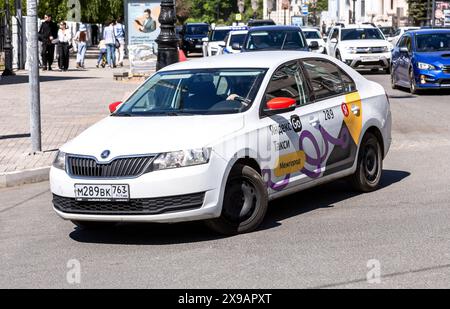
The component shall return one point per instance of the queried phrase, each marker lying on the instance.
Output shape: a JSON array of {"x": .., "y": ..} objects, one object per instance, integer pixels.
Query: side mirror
[
  {"x": 222, "y": 44},
  {"x": 314, "y": 45},
  {"x": 113, "y": 106},
  {"x": 205, "y": 40},
  {"x": 325, "y": 39},
  {"x": 280, "y": 105},
  {"x": 236, "y": 46},
  {"x": 333, "y": 41}
]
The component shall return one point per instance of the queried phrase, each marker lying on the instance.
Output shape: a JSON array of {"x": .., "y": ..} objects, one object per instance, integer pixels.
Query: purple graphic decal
[{"x": 317, "y": 162}]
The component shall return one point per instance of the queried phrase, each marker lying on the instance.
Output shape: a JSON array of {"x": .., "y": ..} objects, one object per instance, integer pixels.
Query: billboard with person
[{"x": 142, "y": 21}]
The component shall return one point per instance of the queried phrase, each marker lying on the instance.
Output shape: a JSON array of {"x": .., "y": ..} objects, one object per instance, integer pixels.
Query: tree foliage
[{"x": 417, "y": 11}]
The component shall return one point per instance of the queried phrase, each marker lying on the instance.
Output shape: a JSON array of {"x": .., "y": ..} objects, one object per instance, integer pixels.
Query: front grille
[
  {"x": 153, "y": 206},
  {"x": 446, "y": 69},
  {"x": 369, "y": 50},
  {"x": 121, "y": 167}
]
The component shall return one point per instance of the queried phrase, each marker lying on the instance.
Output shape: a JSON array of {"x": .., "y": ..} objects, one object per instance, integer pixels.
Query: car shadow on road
[
  {"x": 180, "y": 233},
  {"x": 22, "y": 79}
]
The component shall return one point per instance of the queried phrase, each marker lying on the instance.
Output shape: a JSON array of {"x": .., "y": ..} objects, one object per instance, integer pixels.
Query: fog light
[{"x": 422, "y": 79}]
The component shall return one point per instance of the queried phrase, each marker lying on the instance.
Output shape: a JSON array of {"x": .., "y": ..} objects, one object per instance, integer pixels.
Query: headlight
[
  {"x": 182, "y": 158},
  {"x": 60, "y": 161},
  {"x": 425, "y": 66},
  {"x": 351, "y": 50},
  {"x": 386, "y": 49}
]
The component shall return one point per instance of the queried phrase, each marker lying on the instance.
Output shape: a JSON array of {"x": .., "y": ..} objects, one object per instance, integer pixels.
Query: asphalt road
[{"x": 322, "y": 237}]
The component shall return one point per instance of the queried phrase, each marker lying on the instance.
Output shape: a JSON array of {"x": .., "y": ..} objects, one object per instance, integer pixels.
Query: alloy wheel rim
[
  {"x": 371, "y": 164},
  {"x": 241, "y": 202}
]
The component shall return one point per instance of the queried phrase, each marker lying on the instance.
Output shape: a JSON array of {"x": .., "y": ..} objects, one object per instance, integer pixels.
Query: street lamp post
[
  {"x": 354, "y": 12},
  {"x": 8, "y": 43},
  {"x": 167, "y": 39}
]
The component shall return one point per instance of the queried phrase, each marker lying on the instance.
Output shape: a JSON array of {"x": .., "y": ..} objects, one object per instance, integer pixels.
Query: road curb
[{"x": 24, "y": 177}]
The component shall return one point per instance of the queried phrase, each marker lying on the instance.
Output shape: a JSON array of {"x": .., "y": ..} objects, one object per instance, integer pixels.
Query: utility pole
[
  {"x": 8, "y": 43},
  {"x": 433, "y": 13},
  {"x": 33, "y": 64},
  {"x": 18, "y": 5}
]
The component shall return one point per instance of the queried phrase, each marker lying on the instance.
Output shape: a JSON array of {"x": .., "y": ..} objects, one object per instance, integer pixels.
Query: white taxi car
[
  {"x": 216, "y": 138},
  {"x": 233, "y": 42},
  {"x": 360, "y": 46},
  {"x": 314, "y": 35}
]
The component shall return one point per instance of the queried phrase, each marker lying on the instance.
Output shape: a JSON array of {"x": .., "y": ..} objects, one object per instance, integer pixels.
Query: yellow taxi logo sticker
[
  {"x": 353, "y": 115},
  {"x": 290, "y": 163}
]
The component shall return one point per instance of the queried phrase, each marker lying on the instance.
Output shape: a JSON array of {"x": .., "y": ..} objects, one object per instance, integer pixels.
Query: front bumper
[
  {"x": 368, "y": 61},
  {"x": 161, "y": 196},
  {"x": 436, "y": 79}
]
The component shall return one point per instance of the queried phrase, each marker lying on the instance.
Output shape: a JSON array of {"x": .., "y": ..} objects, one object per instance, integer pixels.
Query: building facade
[{"x": 379, "y": 12}]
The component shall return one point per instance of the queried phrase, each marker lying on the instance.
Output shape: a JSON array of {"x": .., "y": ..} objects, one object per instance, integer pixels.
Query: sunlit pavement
[{"x": 326, "y": 237}]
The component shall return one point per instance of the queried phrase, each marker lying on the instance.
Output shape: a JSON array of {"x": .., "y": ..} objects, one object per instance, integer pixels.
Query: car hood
[
  {"x": 365, "y": 43},
  {"x": 147, "y": 135},
  {"x": 434, "y": 58}
]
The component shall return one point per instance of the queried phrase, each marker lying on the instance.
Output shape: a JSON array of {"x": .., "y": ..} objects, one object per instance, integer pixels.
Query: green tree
[{"x": 417, "y": 11}]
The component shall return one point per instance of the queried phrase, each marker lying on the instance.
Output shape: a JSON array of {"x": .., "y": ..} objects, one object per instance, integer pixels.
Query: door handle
[
  {"x": 314, "y": 121},
  {"x": 355, "y": 110}
]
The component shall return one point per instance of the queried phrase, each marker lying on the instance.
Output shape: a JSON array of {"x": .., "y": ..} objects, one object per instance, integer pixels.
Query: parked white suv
[{"x": 360, "y": 46}]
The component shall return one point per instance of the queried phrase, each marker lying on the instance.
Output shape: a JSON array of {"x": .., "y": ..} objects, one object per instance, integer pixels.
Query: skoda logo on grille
[{"x": 105, "y": 154}]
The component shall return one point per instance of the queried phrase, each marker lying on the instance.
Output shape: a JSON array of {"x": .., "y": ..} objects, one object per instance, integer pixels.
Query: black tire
[
  {"x": 93, "y": 225},
  {"x": 393, "y": 82},
  {"x": 412, "y": 83},
  {"x": 387, "y": 70},
  {"x": 370, "y": 165},
  {"x": 245, "y": 203}
]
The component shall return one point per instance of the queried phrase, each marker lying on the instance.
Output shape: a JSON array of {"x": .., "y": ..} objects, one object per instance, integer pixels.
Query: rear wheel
[
  {"x": 393, "y": 81},
  {"x": 370, "y": 165},
  {"x": 92, "y": 225},
  {"x": 244, "y": 204}
]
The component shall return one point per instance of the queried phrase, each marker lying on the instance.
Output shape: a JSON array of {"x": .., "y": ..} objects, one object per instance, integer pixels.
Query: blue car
[
  {"x": 421, "y": 60},
  {"x": 276, "y": 38}
]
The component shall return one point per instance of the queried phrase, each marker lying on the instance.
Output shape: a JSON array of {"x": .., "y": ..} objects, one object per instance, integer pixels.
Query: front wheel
[
  {"x": 412, "y": 83},
  {"x": 370, "y": 165},
  {"x": 393, "y": 82},
  {"x": 245, "y": 202}
]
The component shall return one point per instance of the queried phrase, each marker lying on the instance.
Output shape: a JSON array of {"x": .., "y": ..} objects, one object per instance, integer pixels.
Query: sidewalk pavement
[{"x": 70, "y": 103}]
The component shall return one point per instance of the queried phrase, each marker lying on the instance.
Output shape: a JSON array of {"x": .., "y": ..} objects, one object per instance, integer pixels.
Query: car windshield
[
  {"x": 237, "y": 38},
  {"x": 433, "y": 42},
  {"x": 312, "y": 34},
  {"x": 362, "y": 34},
  {"x": 218, "y": 35},
  {"x": 269, "y": 40},
  {"x": 387, "y": 31},
  {"x": 261, "y": 23},
  {"x": 198, "y": 30},
  {"x": 195, "y": 92}
]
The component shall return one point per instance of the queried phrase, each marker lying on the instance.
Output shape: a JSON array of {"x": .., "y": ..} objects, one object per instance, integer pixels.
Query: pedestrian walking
[
  {"x": 81, "y": 40},
  {"x": 64, "y": 46},
  {"x": 102, "y": 55},
  {"x": 110, "y": 41},
  {"x": 47, "y": 33},
  {"x": 94, "y": 31},
  {"x": 119, "y": 31}
]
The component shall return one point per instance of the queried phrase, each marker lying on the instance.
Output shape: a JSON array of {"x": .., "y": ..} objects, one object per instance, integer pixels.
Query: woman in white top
[
  {"x": 80, "y": 39},
  {"x": 64, "y": 45}
]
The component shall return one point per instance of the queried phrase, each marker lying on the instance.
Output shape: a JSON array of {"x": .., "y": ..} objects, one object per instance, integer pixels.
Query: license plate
[
  {"x": 102, "y": 192},
  {"x": 198, "y": 46},
  {"x": 369, "y": 59}
]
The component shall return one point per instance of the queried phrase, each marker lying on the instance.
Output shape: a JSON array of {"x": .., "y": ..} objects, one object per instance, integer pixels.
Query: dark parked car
[
  {"x": 276, "y": 38},
  {"x": 192, "y": 37},
  {"x": 260, "y": 22}
]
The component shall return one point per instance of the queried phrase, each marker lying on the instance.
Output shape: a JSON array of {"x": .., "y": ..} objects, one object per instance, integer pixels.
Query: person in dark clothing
[
  {"x": 94, "y": 30},
  {"x": 47, "y": 33}
]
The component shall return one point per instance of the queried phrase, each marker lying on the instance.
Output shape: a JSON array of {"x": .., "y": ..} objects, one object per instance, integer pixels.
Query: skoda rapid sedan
[
  {"x": 421, "y": 60},
  {"x": 216, "y": 139}
]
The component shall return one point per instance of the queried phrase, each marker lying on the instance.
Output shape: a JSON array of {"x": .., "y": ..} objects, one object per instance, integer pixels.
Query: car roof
[
  {"x": 357, "y": 26},
  {"x": 238, "y": 32},
  {"x": 261, "y": 59},
  {"x": 310, "y": 29},
  {"x": 428, "y": 31},
  {"x": 277, "y": 28}
]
